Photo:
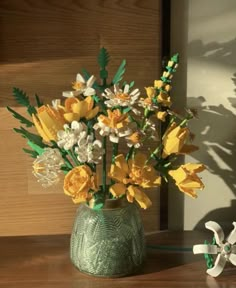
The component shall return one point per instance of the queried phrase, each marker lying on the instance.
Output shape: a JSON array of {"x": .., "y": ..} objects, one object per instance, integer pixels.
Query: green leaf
[
  {"x": 32, "y": 153},
  {"x": 23, "y": 99},
  {"x": 39, "y": 150},
  {"x": 103, "y": 58},
  {"x": 120, "y": 72},
  {"x": 131, "y": 84},
  {"x": 30, "y": 136},
  {"x": 38, "y": 101},
  {"x": 175, "y": 58},
  {"x": 22, "y": 119}
]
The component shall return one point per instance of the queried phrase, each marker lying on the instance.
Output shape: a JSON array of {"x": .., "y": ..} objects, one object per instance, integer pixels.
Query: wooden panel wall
[{"x": 44, "y": 43}]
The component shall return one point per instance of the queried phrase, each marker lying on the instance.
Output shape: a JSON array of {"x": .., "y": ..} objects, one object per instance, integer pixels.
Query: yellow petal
[
  {"x": 189, "y": 192},
  {"x": 162, "y": 115},
  {"x": 91, "y": 114},
  {"x": 69, "y": 117},
  {"x": 194, "y": 167},
  {"x": 121, "y": 163},
  {"x": 39, "y": 128},
  {"x": 118, "y": 189},
  {"x": 117, "y": 173},
  {"x": 89, "y": 102},
  {"x": 139, "y": 196},
  {"x": 151, "y": 92},
  {"x": 69, "y": 102},
  {"x": 158, "y": 84}
]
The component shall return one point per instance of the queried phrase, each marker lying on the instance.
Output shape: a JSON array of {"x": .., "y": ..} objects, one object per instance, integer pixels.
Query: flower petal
[
  {"x": 139, "y": 196},
  {"x": 118, "y": 189}
]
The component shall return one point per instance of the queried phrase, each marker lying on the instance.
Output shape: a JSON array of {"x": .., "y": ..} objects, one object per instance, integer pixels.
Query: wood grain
[
  {"x": 43, "y": 46},
  {"x": 43, "y": 261}
]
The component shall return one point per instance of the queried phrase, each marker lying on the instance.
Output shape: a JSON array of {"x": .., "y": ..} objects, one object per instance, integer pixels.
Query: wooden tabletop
[{"x": 43, "y": 262}]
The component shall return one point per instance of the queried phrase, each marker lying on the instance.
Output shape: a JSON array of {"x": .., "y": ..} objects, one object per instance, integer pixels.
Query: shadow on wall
[{"x": 217, "y": 144}]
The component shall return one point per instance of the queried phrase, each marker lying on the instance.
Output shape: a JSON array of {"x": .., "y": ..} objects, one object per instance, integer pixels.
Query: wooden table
[{"x": 43, "y": 262}]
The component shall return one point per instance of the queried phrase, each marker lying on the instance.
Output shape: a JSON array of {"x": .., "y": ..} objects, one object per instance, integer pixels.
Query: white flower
[
  {"x": 46, "y": 167},
  {"x": 225, "y": 249},
  {"x": 88, "y": 150},
  {"x": 68, "y": 137},
  {"x": 121, "y": 97},
  {"x": 81, "y": 86}
]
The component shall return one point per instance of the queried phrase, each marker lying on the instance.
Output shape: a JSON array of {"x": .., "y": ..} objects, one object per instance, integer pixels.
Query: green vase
[{"x": 109, "y": 242}]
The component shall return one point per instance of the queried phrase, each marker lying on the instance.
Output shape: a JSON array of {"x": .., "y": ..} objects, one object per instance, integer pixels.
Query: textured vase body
[{"x": 109, "y": 242}]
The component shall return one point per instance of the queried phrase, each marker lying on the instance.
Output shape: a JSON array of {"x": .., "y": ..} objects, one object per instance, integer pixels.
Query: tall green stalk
[{"x": 104, "y": 165}]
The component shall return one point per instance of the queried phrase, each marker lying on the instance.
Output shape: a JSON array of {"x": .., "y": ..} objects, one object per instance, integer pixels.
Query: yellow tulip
[
  {"x": 76, "y": 109},
  {"x": 48, "y": 121},
  {"x": 174, "y": 141},
  {"x": 186, "y": 178},
  {"x": 79, "y": 182},
  {"x": 151, "y": 92},
  {"x": 162, "y": 115},
  {"x": 164, "y": 99}
]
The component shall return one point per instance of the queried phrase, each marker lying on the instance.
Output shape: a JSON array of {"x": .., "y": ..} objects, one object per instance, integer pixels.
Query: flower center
[
  {"x": 123, "y": 96},
  {"x": 78, "y": 85}
]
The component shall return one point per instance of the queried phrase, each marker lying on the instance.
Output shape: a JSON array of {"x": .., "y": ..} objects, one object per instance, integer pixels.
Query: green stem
[
  {"x": 73, "y": 157},
  {"x": 114, "y": 151},
  {"x": 104, "y": 162},
  {"x": 157, "y": 150},
  {"x": 67, "y": 162}
]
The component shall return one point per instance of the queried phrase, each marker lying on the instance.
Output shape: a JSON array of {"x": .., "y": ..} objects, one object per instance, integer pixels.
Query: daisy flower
[
  {"x": 81, "y": 86},
  {"x": 120, "y": 97}
]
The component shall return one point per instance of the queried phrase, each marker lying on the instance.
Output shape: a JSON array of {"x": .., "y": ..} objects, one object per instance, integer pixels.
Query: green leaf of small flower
[{"x": 120, "y": 72}]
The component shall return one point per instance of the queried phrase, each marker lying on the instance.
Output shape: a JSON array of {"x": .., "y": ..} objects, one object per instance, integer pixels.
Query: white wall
[{"x": 203, "y": 32}]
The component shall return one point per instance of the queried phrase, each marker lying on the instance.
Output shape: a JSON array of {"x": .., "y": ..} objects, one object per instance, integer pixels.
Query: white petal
[
  {"x": 89, "y": 91},
  {"x": 80, "y": 78},
  {"x": 126, "y": 88},
  {"x": 232, "y": 259},
  {"x": 203, "y": 248},
  {"x": 97, "y": 143},
  {"x": 218, "y": 267},
  {"x": 116, "y": 88},
  {"x": 135, "y": 92},
  {"x": 136, "y": 111},
  {"x": 232, "y": 236},
  {"x": 113, "y": 138},
  {"x": 218, "y": 232},
  {"x": 69, "y": 94},
  {"x": 91, "y": 81},
  {"x": 56, "y": 103}
]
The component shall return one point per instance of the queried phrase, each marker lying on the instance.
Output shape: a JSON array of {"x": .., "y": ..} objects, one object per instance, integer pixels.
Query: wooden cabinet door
[{"x": 44, "y": 43}]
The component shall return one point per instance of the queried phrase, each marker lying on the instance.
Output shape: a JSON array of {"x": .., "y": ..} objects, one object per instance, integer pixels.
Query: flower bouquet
[{"x": 73, "y": 137}]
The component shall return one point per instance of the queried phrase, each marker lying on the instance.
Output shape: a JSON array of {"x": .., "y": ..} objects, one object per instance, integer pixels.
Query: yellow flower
[
  {"x": 79, "y": 182},
  {"x": 48, "y": 121},
  {"x": 160, "y": 84},
  {"x": 174, "y": 141},
  {"x": 162, "y": 115},
  {"x": 132, "y": 174},
  {"x": 164, "y": 99},
  {"x": 115, "y": 124},
  {"x": 76, "y": 109},
  {"x": 151, "y": 92},
  {"x": 186, "y": 178}
]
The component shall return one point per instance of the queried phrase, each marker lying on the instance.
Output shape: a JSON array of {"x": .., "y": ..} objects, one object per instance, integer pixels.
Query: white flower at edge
[
  {"x": 81, "y": 86},
  {"x": 46, "y": 167},
  {"x": 88, "y": 150},
  {"x": 68, "y": 137},
  {"x": 121, "y": 97},
  {"x": 225, "y": 249}
]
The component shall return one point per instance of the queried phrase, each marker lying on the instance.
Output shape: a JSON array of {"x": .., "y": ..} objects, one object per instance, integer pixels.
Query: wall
[{"x": 203, "y": 32}]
